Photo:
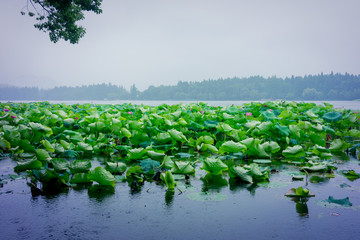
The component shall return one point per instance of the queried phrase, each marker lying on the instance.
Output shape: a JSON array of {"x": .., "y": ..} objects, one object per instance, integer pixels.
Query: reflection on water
[{"x": 149, "y": 211}]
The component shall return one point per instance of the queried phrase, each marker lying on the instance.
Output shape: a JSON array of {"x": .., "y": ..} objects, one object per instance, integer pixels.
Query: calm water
[
  {"x": 354, "y": 105},
  {"x": 248, "y": 212}
]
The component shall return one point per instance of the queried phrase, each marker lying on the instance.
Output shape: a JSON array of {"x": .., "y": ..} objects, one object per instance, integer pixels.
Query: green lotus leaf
[
  {"x": 257, "y": 174},
  {"x": 115, "y": 167},
  {"x": 80, "y": 166},
  {"x": 282, "y": 130},
  {"x": 240, "y": 173},
  {"x": 4, "y": 144},
  {"x": 224, "y": 127},
  {"x": 206, "y": 197},
  {"x": 163, "y": 137},
  {"x": 80, "y": 178},
  {"x": 332, "y": 202},
  {"x": 41, "y": 128},
  {"x": 42, "y": 155},
  {"x": 262, "y": 161},
  {"x": 211, "y": 124},
  {"x": 137, "y": 153},
  {"x": 28, "y": 165},
  {"x": 149, "y": 165},
  {"x": 251, "y": 124},
  {"x": 169, "y": 180},
  {"x": 155, "y": 155},
  {"x": 69, "y": 121},
  {"x": 101, "y": 176},
  {"x": 84, "y": 147},
  {"x": 268, "y": 116},
  {"x": 48, "y": 146},
  {"x": 271, "y": 147},
  {"x": 350, "y": 174},
  {"x": 249, "y": 142},
  {"x": 257, "y": 150},
  {"x": 60, "y": 164},
  {"x": 338, "y": 145},
  {"x": 177, "y": 136},
  {"x": 332, "y": 116},
  {"x": 167, "y": 163},
  {"x": 180, "y": 167},
  {"x": 354, "y": 133},
  {"x": 299, "y": 192},
  {"x": 211, "y": 148},
  {"x": 214, "y": 166},
  {"x": 231, "y": 147},
  {"x": 294, "y": 152},
  {"x": 126, "y": 132},
  {"x": 65, "y": 144},
  {"x": 264, "y": 127},
  {"x": 295, "y": 130},
  {"x": 134, "y": 173}
]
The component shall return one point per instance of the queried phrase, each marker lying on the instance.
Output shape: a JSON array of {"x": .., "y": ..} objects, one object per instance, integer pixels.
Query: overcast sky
[{"x": 154, "y": 42}]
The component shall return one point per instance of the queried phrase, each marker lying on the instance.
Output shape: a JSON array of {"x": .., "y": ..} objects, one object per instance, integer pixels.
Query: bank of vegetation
[{"x": 311, "y": 87}]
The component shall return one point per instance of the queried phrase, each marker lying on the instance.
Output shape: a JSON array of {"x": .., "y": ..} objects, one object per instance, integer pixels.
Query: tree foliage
[{"x": 59, "y": 17}]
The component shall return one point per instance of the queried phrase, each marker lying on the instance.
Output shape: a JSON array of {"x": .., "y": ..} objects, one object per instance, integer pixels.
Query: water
[
  {"x": 249, "y": 212},
  {"x": 353, "y": 105}
]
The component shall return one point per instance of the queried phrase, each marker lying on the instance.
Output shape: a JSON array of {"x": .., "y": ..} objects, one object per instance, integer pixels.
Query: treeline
[
  {"x": 311, "y": 87},
  {"x": 91, "y": 92}
]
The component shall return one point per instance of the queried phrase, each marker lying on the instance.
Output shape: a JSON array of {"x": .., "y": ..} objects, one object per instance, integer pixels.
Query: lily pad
[
  {"x": 206, "y": 196},
  {"x": 332, "y": 202}
]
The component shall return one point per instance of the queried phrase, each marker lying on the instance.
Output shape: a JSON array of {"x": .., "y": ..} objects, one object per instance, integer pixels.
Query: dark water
[{"x": 249, "y": 212}]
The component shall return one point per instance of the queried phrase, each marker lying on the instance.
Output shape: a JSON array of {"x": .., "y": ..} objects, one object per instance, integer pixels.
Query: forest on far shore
[{"x": 310, "y": 87}]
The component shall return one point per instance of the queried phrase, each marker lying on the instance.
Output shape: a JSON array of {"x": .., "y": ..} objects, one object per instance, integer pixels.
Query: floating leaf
[
  {"x": 332, "y": 116},
  {"x": 28, "y": 165},
  {"x": 206, "y": 197},
  {"x": 60, "y": 164},
  {"x": 294, "y": 152},
  {"x": 103, "y": 177},
  {"x": 231, "y": 147},
  {"x": 214, "y": 166},
  {"x": 80, "y": 166},
  {"x": 299, "y": 192},
  {"x": 42, "y": 155},
  {"x": 115, "y": 167}
]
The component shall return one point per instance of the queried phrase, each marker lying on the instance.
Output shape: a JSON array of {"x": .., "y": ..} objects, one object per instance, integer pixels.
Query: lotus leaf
[
  {"x": 182, "y": 168},
  {"x": 79, "y": 178},
  {"x": 169, "y": 180},
  {"x": 240, "y": 173},
  {"x": 80, "y": 166},
  {"x": 28, "y": 165},
  {"x": 59, "y": 164},
  {"x": 115, "y": 167},
  {"x": 102, "y": 176},
  {"x": 214, "y": 166},
  {"x": 177, "y": 136},
  {"x": 299, "y": 192},
  {"x": 332, "y": 116},
  {"x": 294, "y": 152},
  {"x": 42, "y": 155},
  {"x": 231, "y": 147}
]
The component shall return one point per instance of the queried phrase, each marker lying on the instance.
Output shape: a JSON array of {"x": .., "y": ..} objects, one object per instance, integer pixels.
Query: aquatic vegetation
[{"x": 53, "y": 143}]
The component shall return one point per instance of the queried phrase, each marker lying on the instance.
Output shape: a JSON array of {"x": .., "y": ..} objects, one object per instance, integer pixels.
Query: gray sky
[{"x": 154, "y": 42}]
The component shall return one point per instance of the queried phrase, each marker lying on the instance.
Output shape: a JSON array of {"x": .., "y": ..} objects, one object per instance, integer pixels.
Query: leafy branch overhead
[{"x": 59, "y": 17}]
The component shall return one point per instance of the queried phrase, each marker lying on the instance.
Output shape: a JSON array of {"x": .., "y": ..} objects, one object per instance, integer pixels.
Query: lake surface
[
  {"x": 247, "y": 212},
  {"x": 232, "y": 210}
]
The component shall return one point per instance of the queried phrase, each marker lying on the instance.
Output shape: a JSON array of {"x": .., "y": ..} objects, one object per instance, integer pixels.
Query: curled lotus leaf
[{"x": 332, "y": 116}]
